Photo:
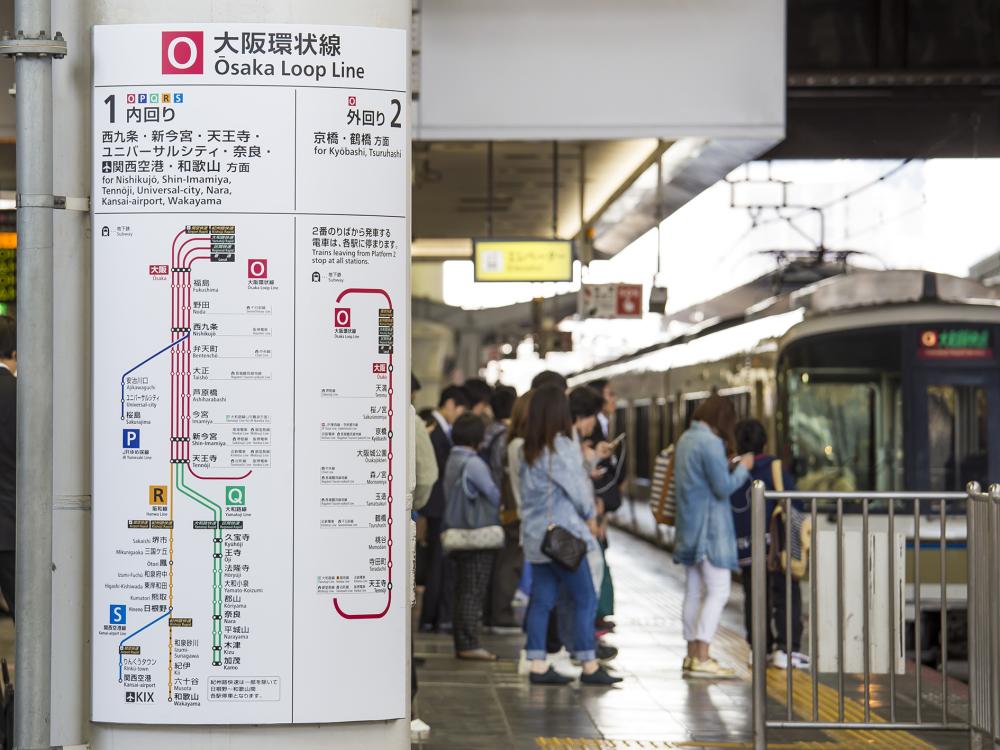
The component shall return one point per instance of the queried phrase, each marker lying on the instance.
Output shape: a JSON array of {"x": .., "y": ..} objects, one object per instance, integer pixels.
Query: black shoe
[
  {"x": 426, "y": 627},
  {"x": 552, "y": 677},
  {"x": 600, "y": 677},
  {"x": 606, "y": 653}
]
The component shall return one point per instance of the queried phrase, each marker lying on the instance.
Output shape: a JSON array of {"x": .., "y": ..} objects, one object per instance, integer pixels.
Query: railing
[{"x": 845, "y": 654}]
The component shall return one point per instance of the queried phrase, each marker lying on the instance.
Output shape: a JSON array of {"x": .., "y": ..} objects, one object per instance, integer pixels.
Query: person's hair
[
  {"x": 468, "y": 430},
  {"x": 719, "y": 414},
  {"x": 599, "y": 384},
  {"x": 414, "y": 383},
  {"x": 428, "y": 416},
  {"x": 479, "y": 391},
  {"x": 502, "y": 401},
  {"x": 751, "y": 437},
  {"x": 584, "y": 402},
  {"x": 519, "y": 416},
  {"x": 8, "y": 336},
  {"x": 454, "y": 393},
  {"x": 548, "y": 416},
  {"x": 548, "y": 377}
]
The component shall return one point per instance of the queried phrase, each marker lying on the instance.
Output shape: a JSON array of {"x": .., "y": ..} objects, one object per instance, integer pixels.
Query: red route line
[{"x": 388, "y": 602}]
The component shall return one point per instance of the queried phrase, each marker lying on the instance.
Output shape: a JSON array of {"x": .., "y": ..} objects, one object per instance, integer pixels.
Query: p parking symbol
[
  {"x": 236, "y": 495},
  {"x": 130, "y": 438}
]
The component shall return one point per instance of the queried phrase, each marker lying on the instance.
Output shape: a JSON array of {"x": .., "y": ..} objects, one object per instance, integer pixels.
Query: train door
[{"x": 956, "y": 421}]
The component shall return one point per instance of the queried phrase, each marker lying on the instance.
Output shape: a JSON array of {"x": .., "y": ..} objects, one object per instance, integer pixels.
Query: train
[{"x": 866, "y": 380}]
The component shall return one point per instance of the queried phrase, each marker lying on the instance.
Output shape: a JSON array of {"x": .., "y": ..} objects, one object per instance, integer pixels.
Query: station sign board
[
  {"x": 610, "y": 301},
  {"x": 250, "y": 251},
  {"x": 523, "y": 260}
]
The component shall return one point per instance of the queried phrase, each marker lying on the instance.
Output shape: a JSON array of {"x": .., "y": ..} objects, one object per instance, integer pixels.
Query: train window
[
  {"x": 642, "y": 454},
  {"x": 690, "y": 407},
  {"x": 621, "y": 422},
  {"x": 666, "y": 425},
  {"x": 741, "y": 401},
  {"x": 957, "y": 436},
  {"x": 832, "y": 432}
]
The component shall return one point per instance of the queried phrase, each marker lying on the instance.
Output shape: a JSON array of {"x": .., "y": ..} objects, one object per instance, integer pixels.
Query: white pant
[{"x": 705, "y": 596}]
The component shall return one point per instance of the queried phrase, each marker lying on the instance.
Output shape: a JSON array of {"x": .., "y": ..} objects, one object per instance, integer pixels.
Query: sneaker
[
  {"x": 599, "y": 677},
  {"x": 605, "y": 652},
  {"x": 549, "y": 677},
  {"x": 686, "y": 664},
  {"x": 779, "y": 660},
  {"x": 523, "y": 665},
  {"x": 709, "y": 669},
  {"x": 419, "y": 731},
  {"x": 504, "y": 629}
]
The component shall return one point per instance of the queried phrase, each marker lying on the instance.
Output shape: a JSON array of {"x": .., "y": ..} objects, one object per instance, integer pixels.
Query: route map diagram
[{"x": 247, "y": 444}]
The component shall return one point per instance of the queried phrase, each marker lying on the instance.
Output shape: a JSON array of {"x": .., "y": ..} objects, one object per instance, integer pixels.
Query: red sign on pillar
[{"x": 628, "y": 301}]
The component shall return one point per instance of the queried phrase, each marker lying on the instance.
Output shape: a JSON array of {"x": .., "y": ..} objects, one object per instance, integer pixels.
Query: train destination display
[{"x": 250, "y": 198}]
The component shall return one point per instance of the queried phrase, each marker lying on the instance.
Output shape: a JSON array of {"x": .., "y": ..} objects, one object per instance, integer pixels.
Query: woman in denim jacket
[
  {"x": 555, "y": 489},
  {"x": 706, "y": 541}
]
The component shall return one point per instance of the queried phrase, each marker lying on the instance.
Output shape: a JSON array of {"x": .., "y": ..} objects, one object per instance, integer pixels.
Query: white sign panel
[{"x": 250, "y": 293}]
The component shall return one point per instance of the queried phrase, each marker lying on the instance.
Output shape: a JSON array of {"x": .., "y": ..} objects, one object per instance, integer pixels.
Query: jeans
[{"x": 545, "y": 584}]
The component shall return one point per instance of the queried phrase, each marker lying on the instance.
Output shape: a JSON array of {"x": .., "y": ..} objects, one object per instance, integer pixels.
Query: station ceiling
[{"x": 467, "y": 189}]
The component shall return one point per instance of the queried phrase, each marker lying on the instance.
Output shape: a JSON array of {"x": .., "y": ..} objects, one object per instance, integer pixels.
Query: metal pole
[
  {"x": 34, "y": 383},
  {"x": 758, "y": 555}
]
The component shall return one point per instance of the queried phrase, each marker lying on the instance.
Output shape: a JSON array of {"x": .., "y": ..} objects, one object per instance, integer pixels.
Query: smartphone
[{"x": 614, "y": 443}]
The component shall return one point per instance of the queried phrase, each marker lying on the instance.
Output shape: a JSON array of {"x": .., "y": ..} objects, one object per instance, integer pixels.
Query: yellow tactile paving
[
  {"x": 854, "y": 711},
  {"x": 570, "y": 743}
]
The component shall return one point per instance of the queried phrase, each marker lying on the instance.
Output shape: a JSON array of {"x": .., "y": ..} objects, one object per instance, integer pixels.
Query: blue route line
[
  {"x": 147, "y": 359},
  {"x": 133, "y": 635}
]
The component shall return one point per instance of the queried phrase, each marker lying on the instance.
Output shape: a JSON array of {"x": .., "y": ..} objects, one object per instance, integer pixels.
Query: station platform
[{"x": 475, "y": 705}]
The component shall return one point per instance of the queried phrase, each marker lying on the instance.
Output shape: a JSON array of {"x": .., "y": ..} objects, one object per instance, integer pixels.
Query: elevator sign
[{"x": 250, "y": 197}]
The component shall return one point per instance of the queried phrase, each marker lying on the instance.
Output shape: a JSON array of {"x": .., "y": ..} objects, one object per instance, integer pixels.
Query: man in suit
[
  {"x": 435, "y": 613},
  {"x": 8, "y": 455}
]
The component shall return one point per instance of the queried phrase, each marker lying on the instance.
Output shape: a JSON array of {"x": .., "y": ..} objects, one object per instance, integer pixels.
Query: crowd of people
[{"x": 518, "y": 511}]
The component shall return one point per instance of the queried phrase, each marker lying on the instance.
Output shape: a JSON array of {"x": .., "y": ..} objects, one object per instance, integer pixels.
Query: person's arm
[
  {"x": 478, "y": 475},
  {"x": 427, "y": 469},
  {"x": 721, "y": 480},
  {"x": 568, "y": 473}
]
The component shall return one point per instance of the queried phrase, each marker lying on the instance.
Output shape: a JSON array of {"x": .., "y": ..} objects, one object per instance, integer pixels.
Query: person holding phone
[{"x": 706, "y": 541}]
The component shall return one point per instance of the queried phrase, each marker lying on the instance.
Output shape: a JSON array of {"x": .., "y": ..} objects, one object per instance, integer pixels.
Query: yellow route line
[
  {"x": 828, "y": 711},
  {"x": 170, "y": 605},
  {"x": 575, "y": 743}
]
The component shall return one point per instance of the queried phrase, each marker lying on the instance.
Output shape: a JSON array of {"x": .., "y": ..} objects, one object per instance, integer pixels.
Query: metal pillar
[
  {"x": 758, "y": 550},
  {"x": 32, "y": 20}
]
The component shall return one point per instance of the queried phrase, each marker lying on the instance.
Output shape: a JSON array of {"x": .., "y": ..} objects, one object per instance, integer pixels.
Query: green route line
[{"x": 216, "y": 561}]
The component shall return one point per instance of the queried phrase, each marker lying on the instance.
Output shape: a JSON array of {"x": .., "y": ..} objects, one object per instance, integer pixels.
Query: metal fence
[{"x": 852, "y": 652}]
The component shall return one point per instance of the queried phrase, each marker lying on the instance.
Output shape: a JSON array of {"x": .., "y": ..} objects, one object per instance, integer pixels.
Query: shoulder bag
[
  {"x": 559, "y": 544},
  {"x": 471, "y": 524}
]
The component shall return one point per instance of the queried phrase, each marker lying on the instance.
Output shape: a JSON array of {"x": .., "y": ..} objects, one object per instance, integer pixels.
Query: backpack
[
  {"x": 778, "y": 557},
  {"x": 662, "y": 497}
]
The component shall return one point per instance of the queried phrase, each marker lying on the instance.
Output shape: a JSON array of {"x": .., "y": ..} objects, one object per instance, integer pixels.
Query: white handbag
[{"x": 458, "y": 540}]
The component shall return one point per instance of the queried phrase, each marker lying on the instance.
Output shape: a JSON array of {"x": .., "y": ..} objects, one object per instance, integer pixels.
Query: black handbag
[{"x": 559, "y": 544}]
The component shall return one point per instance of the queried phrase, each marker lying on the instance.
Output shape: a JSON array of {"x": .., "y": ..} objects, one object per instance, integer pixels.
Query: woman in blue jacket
[
  {"x": 706, "y": 542},
  {"x": 556, "y": 490}
]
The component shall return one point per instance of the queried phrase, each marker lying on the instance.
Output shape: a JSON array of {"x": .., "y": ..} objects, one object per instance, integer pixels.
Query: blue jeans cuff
[
  {"x": 585, "y": 655},
  {"x": 536, "y": 655}
]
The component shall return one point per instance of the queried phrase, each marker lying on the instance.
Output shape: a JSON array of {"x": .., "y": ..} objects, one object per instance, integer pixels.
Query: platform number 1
[{"x": 110, "y": 101}]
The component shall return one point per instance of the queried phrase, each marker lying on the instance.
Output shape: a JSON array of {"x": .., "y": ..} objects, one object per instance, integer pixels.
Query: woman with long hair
[
  {"x": 706, "y": 541},
  {"x": 556, "y": 491}
]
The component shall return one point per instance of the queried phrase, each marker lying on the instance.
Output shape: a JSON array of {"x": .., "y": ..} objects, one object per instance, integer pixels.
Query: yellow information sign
[{"x": 523, "y": 260}]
